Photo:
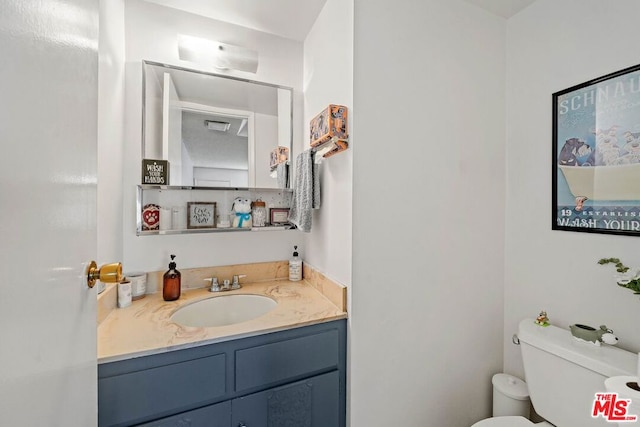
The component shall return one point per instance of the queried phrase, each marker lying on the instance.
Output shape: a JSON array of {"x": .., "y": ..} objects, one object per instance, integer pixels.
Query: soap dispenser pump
[
  {"x": 295, "y": 266},
  {"x": 171, "y": 282}
]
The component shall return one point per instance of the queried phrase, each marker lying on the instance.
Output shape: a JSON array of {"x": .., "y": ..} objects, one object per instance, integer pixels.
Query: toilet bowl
[
  {"x": 504, "y": 422},
  {"x": 509, "y": 422}
]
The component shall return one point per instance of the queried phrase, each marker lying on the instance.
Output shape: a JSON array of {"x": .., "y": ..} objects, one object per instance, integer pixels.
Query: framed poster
[
  {"x": 596, "y": 155},
  {"x": 201, "y": 214}
]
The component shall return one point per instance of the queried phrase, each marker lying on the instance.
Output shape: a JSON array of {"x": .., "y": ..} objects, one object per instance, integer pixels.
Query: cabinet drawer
[
  {"x": 210, "y": 416},
  {"x": 136, "y": 396},
  {"x": 270, "y": 363}
]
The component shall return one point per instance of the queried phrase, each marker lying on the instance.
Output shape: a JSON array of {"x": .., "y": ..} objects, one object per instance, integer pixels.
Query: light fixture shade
[
  {"x": 219, "y": 55},
  {"x": 215, "y": 125}
]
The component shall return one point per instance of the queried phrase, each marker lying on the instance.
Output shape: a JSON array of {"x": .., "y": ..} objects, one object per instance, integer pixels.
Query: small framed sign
[
  {"x": 201, "y": 215},
  {"x": 155, "y": 172},
  {"x": 278, "y": 216}
]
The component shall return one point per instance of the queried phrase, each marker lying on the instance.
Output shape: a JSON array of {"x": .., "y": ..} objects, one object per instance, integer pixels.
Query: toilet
[{"x": 563, "y": 376}]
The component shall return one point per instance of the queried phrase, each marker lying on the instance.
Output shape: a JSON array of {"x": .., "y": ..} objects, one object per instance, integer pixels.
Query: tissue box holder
[
  {"x": 332, "y": 122},
  {"x": 279, "y": 155}
]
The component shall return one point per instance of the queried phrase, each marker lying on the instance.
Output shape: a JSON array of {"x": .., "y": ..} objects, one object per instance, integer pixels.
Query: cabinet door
[
  {"x": 211, "y": 416},
  {"x": 313, "y": 402},
  {"x": 125, "y": 399}
]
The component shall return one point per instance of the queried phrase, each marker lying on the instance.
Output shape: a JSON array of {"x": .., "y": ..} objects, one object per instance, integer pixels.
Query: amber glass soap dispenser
[{"x": 171, "y": 282}]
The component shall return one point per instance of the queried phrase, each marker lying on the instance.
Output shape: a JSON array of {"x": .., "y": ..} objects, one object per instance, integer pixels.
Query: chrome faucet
[
  {"x": 236, "y": 281},
  {"x": 215, "y": 286},
  {"x": 226, "y": 283}
]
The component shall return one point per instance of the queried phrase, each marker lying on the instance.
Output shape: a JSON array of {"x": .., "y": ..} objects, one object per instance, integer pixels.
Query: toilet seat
[{"x": 504, "y": 422}]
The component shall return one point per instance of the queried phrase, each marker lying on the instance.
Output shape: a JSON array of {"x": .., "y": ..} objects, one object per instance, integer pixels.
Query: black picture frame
[
  {"x": 596, "y": 155},
  {"x": 279, "y": 216}
]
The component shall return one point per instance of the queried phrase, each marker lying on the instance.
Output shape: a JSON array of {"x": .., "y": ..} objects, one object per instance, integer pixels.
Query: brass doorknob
[{"x": 108, "y": 273}]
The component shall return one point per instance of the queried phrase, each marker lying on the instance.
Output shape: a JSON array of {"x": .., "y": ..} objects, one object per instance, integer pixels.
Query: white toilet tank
[{"x": 563, "y": 375}]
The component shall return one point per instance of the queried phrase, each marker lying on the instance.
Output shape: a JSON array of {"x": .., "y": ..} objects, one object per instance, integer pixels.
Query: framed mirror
[{"x": 216, "y": 130}]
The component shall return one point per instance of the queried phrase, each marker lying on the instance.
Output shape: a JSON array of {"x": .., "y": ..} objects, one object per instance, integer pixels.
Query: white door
[{"x": 48, "y": 116}]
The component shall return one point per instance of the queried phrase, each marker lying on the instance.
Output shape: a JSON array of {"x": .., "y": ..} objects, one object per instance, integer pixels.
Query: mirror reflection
[{"x": 215, "y": 131}]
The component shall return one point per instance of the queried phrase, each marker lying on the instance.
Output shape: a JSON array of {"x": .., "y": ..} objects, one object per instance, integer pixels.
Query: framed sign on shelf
[
  {"x": 596, "y": 155},
  {"x": 201, "y": 215},
  {"x": 278, "y": 216}
]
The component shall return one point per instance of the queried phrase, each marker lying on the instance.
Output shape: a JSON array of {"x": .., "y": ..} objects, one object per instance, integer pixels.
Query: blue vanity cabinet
[
  {"x": 292, "y": 377},
  {"x": 211, "y": 416},
  {"x": 311, "y": 402}
]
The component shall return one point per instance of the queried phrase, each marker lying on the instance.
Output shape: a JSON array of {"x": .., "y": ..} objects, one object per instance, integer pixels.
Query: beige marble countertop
[{"x": 145, "y": 327}]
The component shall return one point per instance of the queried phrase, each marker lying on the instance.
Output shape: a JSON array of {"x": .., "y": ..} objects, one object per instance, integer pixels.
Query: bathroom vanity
[
  {"x": 292, "y": 377},
  {"x": 286, "y": 367}
]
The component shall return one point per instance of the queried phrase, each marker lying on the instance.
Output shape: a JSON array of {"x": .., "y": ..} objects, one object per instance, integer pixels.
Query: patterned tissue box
[{"x": 331, "y": 122}]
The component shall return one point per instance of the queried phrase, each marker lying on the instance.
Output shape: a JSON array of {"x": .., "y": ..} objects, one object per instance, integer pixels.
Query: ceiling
[
  {"x": 291, "y": 19},
  {"x": 504, "y": 8}
]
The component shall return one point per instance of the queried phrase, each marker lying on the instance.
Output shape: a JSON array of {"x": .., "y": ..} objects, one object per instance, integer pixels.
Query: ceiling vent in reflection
[
  {"x": 219, "y": 126},
  {"x": 215, "y": 54}
]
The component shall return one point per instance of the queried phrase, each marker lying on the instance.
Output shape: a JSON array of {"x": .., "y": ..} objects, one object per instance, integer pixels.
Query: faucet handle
[
  {"x": 215, "y": 286},
  {"x": 236, "y": 281}
]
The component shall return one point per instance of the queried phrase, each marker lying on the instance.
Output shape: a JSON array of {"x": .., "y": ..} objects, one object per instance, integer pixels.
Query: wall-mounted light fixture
[
  {"x": 219, "y": 55},
  {"x": 215, "y": 125}
]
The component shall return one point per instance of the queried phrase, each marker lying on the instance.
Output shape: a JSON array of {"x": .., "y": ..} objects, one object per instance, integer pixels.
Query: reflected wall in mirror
[{"x": 215, "y": 131}]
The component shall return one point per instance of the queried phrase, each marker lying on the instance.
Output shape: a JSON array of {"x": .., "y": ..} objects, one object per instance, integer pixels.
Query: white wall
[
  {"x": 151, "y": 33},
  {"x": 328, "y": 79},
  {"x": 428, "y": 209},
  {"x": 552, "y": 46},
  {"x": 110, "y": 130}
]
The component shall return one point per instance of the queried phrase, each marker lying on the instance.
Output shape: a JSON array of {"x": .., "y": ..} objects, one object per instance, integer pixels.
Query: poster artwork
[{"x": 596, "y": 171}]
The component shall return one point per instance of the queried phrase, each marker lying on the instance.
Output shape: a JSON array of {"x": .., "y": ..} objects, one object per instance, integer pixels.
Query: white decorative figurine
[{"x": 242, "y": 209}]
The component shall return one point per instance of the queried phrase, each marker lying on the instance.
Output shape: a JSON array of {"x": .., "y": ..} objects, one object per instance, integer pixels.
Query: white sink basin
[{"x": 223, "y": 310}]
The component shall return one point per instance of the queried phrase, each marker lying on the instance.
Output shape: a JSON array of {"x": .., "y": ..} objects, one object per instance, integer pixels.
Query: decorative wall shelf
[
  {"x": 216, "y": 230},
  {"x": 170, "y": 204}
]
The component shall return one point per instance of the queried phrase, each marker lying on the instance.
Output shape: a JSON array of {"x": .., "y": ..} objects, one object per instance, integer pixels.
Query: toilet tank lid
[
  {"x": 606, "y": 360},
  {"x": 510, "y": 386}
]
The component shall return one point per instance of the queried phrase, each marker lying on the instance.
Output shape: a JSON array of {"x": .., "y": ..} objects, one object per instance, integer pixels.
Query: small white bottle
[
  {"x": 295, "y": 266},
  {"x": 124, "y": 293}
]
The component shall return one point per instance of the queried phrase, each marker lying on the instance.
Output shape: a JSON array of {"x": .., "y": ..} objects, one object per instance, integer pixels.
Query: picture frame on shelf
[
  {"x": 151, "y": 217},
  {"x": 279, "y": 216},
  {"x": 155, "y": 172},
  {"x": 201, "y": 215},
  {"x": 596, "y": 155}
]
